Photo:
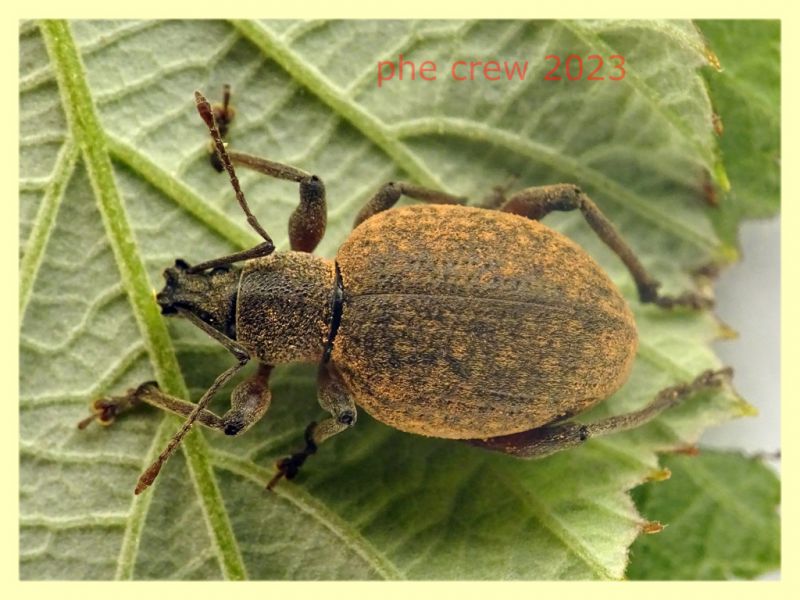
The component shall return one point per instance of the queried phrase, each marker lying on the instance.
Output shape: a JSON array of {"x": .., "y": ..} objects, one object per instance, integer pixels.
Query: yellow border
[{"x": 404, "y": 9}]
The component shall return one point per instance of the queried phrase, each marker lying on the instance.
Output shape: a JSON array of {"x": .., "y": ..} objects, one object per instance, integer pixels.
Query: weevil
[{"x": 477, "y": 324}]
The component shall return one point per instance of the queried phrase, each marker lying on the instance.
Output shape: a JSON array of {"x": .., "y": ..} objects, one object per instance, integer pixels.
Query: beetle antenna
[{"x": 207, "y": 114}]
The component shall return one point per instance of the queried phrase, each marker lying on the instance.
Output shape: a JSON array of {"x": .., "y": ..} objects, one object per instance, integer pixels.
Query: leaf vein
[
  {"x": 85, "y": 126},
  {"x": 312, "y": 507}
]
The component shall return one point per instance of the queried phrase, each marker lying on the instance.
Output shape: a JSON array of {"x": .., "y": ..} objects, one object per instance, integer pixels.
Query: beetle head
[{"x": 211, "y": 295}]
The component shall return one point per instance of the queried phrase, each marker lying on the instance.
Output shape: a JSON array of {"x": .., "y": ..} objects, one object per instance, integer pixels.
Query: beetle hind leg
[
  {"x": 543, "y": 441},
  {"x": 537, "y": 202}
]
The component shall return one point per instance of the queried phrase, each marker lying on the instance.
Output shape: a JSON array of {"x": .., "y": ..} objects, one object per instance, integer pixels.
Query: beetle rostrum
[
  {"x": 474, "y": 323},
  {"x": 210, "y": 295}
]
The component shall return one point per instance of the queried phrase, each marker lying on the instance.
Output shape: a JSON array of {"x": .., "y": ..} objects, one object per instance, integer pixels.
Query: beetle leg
[
  {"x": 150, "y": 474},
  {"x": 537, "y": 202},
  {"x": 543, "y": 441},
  {"x": 308, "y": 221},
  {"x": 106, "y": 409},
  {"x": 498, "y": 195},
  {"x": 249, "y": 401},
  {"x": 389, "y": 193},
  {"x": 336, "y": 399}
]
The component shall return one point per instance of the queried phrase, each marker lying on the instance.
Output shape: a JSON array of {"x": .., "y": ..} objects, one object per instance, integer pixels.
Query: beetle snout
[
  {"x": 166, "y": 298},
  {"x": 208, "y": 294}
]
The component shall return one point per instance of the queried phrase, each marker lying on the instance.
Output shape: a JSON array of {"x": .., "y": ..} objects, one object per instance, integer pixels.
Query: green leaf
[
  {"x": 115, "y": 184},
  {"x": 720, "y": 512},
  {"x": 746, "y": 96}
]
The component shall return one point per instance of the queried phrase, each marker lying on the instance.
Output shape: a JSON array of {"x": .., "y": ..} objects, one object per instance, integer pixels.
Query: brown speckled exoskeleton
[{"x": 442, "y": 320}]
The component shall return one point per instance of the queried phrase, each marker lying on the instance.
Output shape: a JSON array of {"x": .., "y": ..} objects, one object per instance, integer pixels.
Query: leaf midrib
[{"x": 86, "y": 129}]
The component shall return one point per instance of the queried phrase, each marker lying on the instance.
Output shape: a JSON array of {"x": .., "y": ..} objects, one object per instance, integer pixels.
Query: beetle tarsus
[
  {"x": 106, "y": 409},
  {"x": 688, "y": 300},
  {"x": 289, "y": 467}
]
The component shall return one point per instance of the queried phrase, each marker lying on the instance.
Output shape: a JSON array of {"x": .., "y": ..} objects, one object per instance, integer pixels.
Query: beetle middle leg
[
  {"x": 389, "y": 193},
  {"x": 252, "y": 398},
  {"x": 249, "y": 401},
  {"x": 337, "y": 400},
  {"x": 549, "y": 439},
  {"x": 537, "y": 202}
]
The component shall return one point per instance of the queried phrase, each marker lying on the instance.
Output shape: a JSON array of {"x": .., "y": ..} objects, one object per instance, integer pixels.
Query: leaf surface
[
  {"x": 115, "y": 184},
  {"x": 746, "y": 96},
  {"x": 720, "y": 512}
]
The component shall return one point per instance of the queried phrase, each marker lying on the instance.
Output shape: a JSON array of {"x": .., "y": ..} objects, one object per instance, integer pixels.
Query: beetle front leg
[
  {"x": 105, "y": 410},
  {"x": 149, "y": 475},
  {"x": 336, "y": 399},
  {"x": 537, "y": 202},
  {"x": 249, "y": 401},
  {"x": 543, "y": 441},
  {"x": 308, "y": 221}
]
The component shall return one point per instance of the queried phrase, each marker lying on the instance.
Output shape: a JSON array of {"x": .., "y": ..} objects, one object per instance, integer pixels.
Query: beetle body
[
  {"x": 455, "y": 322},
  {"x": 441, "y": 320}
]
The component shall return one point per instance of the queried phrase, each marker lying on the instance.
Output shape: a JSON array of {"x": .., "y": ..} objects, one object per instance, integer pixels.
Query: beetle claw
[
  {"x": 274, "y": 481},
  {"x": 289, "y": 467},
  {"x": 104, "y": 411}
]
